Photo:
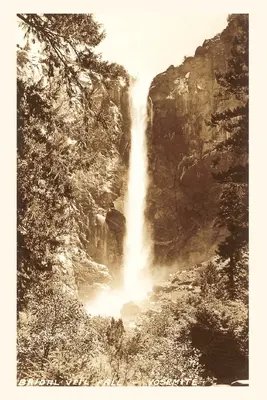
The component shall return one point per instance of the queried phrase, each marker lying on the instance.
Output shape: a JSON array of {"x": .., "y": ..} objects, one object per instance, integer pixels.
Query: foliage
[
  {"x": 152, "y": 353},
  {"x": 196, "y": 340},
  {"x": 56, "y": 339},
  {"x": 44, "y": 191},
  {"x": 220, "y": 333},
  {"x": 200, "y": 337},
  {"x": 65, "y": 131},
  {"x": 210, "y": 279},
  {"x": 234, "y": 181},
  {"x": 58, "y": 133},
  {"x": 67, "y": 41},
  {"x": 219, "y": 326},
  {"x": 167, "y": 351}
]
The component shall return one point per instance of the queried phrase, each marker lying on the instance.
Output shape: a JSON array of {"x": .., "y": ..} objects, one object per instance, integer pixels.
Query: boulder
[
  {"x": 153, "y": 297},
  {"x": 157, "y": 289},
  {"x": 115, "y": 221},
  {"x": 130, "y": 310},
  {"x": 116, "y": 224}
]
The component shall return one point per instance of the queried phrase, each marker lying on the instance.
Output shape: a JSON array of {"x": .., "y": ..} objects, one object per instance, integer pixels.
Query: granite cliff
[
  {"x": 97, "y": 189},
  {"x": 88, "y": 252},
  {"x": 183, "y": 196}
]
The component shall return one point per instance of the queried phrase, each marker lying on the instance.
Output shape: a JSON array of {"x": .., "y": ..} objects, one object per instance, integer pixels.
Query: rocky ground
[{"x": 170, "y": 288}]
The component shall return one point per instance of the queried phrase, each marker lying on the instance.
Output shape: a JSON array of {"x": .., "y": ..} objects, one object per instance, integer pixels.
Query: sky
[{"x": 148, "y": 43}]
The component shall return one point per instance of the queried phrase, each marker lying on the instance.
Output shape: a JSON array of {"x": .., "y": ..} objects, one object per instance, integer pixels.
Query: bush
[
  {"x": 221, "y": 334},
  {"x": 56, "y": 339},
  {"x": 164, "y": 350}
]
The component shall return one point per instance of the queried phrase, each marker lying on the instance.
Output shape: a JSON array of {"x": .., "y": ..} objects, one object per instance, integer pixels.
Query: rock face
[
  {"x": 116, "y": 223},
  {"x": 90, "y": 278},
  {"x": 101, "y": 228},
  {"x": 183, "y": 197}
]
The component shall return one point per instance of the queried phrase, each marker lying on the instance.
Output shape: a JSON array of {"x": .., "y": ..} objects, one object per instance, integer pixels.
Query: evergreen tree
[
  {"x": 58, "y": 128},
  {"x": 234, "y": 197}
]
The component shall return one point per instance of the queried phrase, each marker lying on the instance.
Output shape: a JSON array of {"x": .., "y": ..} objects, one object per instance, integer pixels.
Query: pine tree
[
  {"x": 233, "y": 212},
  {"x": 47, "y": 158}
]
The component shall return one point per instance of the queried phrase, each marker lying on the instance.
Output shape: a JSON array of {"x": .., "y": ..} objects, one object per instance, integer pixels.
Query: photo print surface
[{"x": 132, "y": 207}]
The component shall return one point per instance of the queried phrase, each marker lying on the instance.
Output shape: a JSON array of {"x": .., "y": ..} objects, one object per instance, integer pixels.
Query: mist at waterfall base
[{"x": 137, "y": 254}]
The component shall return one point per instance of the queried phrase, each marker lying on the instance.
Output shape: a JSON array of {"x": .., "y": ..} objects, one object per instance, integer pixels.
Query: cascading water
[
  {"x": 137, "y": 244},
  {"x": 137, "y": 248}
]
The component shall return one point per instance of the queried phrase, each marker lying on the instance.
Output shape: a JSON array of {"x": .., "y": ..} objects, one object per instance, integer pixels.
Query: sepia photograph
[{"x": 132, "y": 199}]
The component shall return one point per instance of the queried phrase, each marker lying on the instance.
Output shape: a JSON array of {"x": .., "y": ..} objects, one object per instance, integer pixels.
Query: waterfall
[
  {"x": 137, "y": 247},
  {"x": 100, "y": 237},
  {"x": 137, "y": 243}
]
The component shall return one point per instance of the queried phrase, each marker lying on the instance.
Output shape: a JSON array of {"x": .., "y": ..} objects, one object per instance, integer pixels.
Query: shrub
[
  {"x": 221, "y": 334},
  {"x": 56, "y": 339}
]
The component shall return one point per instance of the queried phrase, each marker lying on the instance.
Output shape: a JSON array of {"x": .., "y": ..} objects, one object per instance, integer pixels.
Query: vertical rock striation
[
  {"x": 183, "y": 196},
  {"x": 98, "y": 188}
]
